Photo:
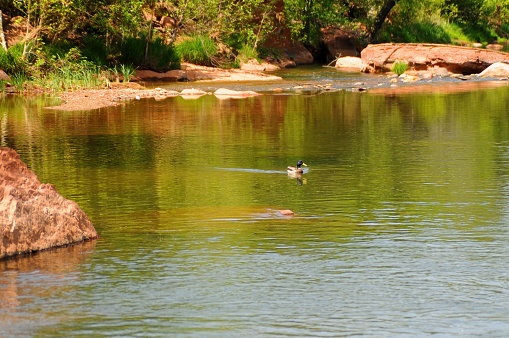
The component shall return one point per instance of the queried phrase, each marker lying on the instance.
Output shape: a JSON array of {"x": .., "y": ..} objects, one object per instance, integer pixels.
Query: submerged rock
[
  {"x": 34, "y": 216},
  {"x": 228, "y": 93}
]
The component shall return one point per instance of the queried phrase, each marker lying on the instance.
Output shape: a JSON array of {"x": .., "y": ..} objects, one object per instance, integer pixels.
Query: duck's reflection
[{"x": 298, "y": 177}]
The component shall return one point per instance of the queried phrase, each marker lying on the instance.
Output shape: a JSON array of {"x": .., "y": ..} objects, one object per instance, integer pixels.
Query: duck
[{"x": 297, "y": 169}]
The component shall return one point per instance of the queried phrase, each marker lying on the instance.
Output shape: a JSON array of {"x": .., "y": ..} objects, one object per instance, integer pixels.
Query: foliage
[
  {"x": 10, "y": 60},
  {"x": 400, "y": 67},
  {"x": 127, "y": 72},
  {"x": 106, "y": 33},
  {"x": 306, "y": 18},
  {"x": 18, "y": 81},
  {"x": 95, "y": 50},
  {"x": 197, "y": 49},
  {"x": 160, "y": 55}
]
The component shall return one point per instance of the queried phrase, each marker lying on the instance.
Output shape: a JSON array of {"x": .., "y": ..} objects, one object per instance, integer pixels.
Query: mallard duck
[{"x": 297, "y": 169}]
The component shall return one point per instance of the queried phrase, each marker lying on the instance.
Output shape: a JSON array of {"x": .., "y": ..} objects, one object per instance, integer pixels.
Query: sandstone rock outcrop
[
  {"x": 34, "y": 216},
  {"x": 253, "y": 64},
  {"x": 349, "y": 62},
  {"x": 496, "y": 69},
  {"x": 169, "y": 76},
  {"x": 464, "y": 60}
]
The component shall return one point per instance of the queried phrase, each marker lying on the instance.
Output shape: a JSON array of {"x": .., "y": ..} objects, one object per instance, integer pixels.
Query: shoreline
[
  {"x": 90, "y": 99},
  {"x": 121, "y": 93}
]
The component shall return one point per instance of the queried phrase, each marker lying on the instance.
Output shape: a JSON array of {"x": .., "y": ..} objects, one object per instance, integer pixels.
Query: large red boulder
[
  {"x": 34, "y": 216},
  {"x": 456, "y": 59}
]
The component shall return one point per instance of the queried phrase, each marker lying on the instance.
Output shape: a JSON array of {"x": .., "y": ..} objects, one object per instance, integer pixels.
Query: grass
[
  {"x": 72, "y": 76},
  {"x": 127, "y": 72},
  {"x": 197, "y": 49},
  {"x": 247, "y": 53},
  {"x": 400, "y": 67},
  {"x": 10, "y": 60},
  {"x": 18, "y": 81},
  {"x": 3, "y": 84},
  {"x": 438, "y": 31}
]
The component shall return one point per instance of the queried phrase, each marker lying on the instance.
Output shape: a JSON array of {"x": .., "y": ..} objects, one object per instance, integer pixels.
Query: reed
[
  {"x": 127, "y": 72},
  {"x": 72, "y": 76},
  {"x": 18, "y": 81}
]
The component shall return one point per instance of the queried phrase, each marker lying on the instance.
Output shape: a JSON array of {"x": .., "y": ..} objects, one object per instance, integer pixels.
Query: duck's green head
[{"x": 300, "y": 163}]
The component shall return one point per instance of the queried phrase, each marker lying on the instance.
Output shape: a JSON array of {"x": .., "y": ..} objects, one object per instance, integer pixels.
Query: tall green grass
[
  {"x": 197, "y": 49},
  {"x": 127, "y": 72},
  {"x": 10, "y": 60},
  {"x": 399, "y": 67},
  {"x": 18, "y": 81},
  {"x": 72, "y": 76},
  {"x": 437, "y": 31}
]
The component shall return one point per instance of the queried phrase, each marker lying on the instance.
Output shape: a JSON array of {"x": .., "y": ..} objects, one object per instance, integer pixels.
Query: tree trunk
[
  {"x": 150, "y": 28},
  {"x": 380, "y": 19},
  {"x": 2, "y": 36}
]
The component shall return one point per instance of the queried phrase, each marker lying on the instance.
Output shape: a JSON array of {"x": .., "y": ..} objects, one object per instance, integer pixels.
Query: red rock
[
  {"x": 166, "y": 21},
  {"x": 228, "y": 93},
  {"x": 193, "y": 92},
  {"x": 496, "y": 69},
  {"x": 349, "y": 62},
  {"x": 34, "y": 216},
  {"x": 253, "y": 64},
  {"x": 4, "y": 76},
  {"x": 169, "y": 76},
  {"x": 495, "y": 46},
  {"x": 286, "y": 212},
  {"x": 464, "y": 60}
]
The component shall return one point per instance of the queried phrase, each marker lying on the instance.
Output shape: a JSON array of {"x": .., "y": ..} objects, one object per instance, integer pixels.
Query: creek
[{"x": 401, "y": 224}]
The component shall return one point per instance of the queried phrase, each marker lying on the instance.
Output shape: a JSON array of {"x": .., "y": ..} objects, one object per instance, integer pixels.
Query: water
[{"x": 400, "y": 225}]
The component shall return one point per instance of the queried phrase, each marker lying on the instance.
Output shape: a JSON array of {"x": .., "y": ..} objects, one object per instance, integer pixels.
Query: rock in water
[{"x": 34, "y": 216}]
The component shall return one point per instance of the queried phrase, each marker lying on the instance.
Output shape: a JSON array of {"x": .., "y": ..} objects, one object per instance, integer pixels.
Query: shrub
[
  {"x": 198, "y": 50},
  {"x": 160, "y": 56},
  {"x": 94, "y": 50},
  {"x": 10, "y": 60},
  {"x": 416, "y": 32},
  {"x": 400, "y": 67},
  {"x": 247, "y": 53}
]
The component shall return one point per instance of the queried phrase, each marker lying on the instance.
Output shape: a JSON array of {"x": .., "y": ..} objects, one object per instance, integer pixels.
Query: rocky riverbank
[{"x": 428, "y": 64}]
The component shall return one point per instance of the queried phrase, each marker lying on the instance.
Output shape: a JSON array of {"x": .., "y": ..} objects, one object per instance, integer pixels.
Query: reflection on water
[{"x": 400, "y": 224}]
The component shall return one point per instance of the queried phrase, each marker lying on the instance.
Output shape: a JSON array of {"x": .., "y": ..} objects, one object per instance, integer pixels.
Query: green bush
[
  {"x": 426, "y": 32},
  {"x": 10, "y": 60},
  {"x": 161, "y": 57},
  {"x": 247, "y": 53},
  {"x": 197, "y": 50},
  {"x": 94, "y": 49},
  {"x": 400, "y": 67}
]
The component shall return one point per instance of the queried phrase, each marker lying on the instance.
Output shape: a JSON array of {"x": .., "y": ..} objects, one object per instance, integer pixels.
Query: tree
[
  {"x": 2, "y": 36},
  {"x": 380, "y": 19}
]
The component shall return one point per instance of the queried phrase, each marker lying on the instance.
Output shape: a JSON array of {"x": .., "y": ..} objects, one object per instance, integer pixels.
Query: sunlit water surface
[{"x": 401, "y": 222}]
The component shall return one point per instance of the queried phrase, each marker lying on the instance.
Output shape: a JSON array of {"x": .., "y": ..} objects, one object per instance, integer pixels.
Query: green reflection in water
[
  {"x": 372, "y": 156},
  {"x": 403, "y": 190}
]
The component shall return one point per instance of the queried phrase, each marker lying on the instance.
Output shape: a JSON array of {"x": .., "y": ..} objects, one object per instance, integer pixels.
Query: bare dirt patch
[{"x": 118, "y": 94}]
